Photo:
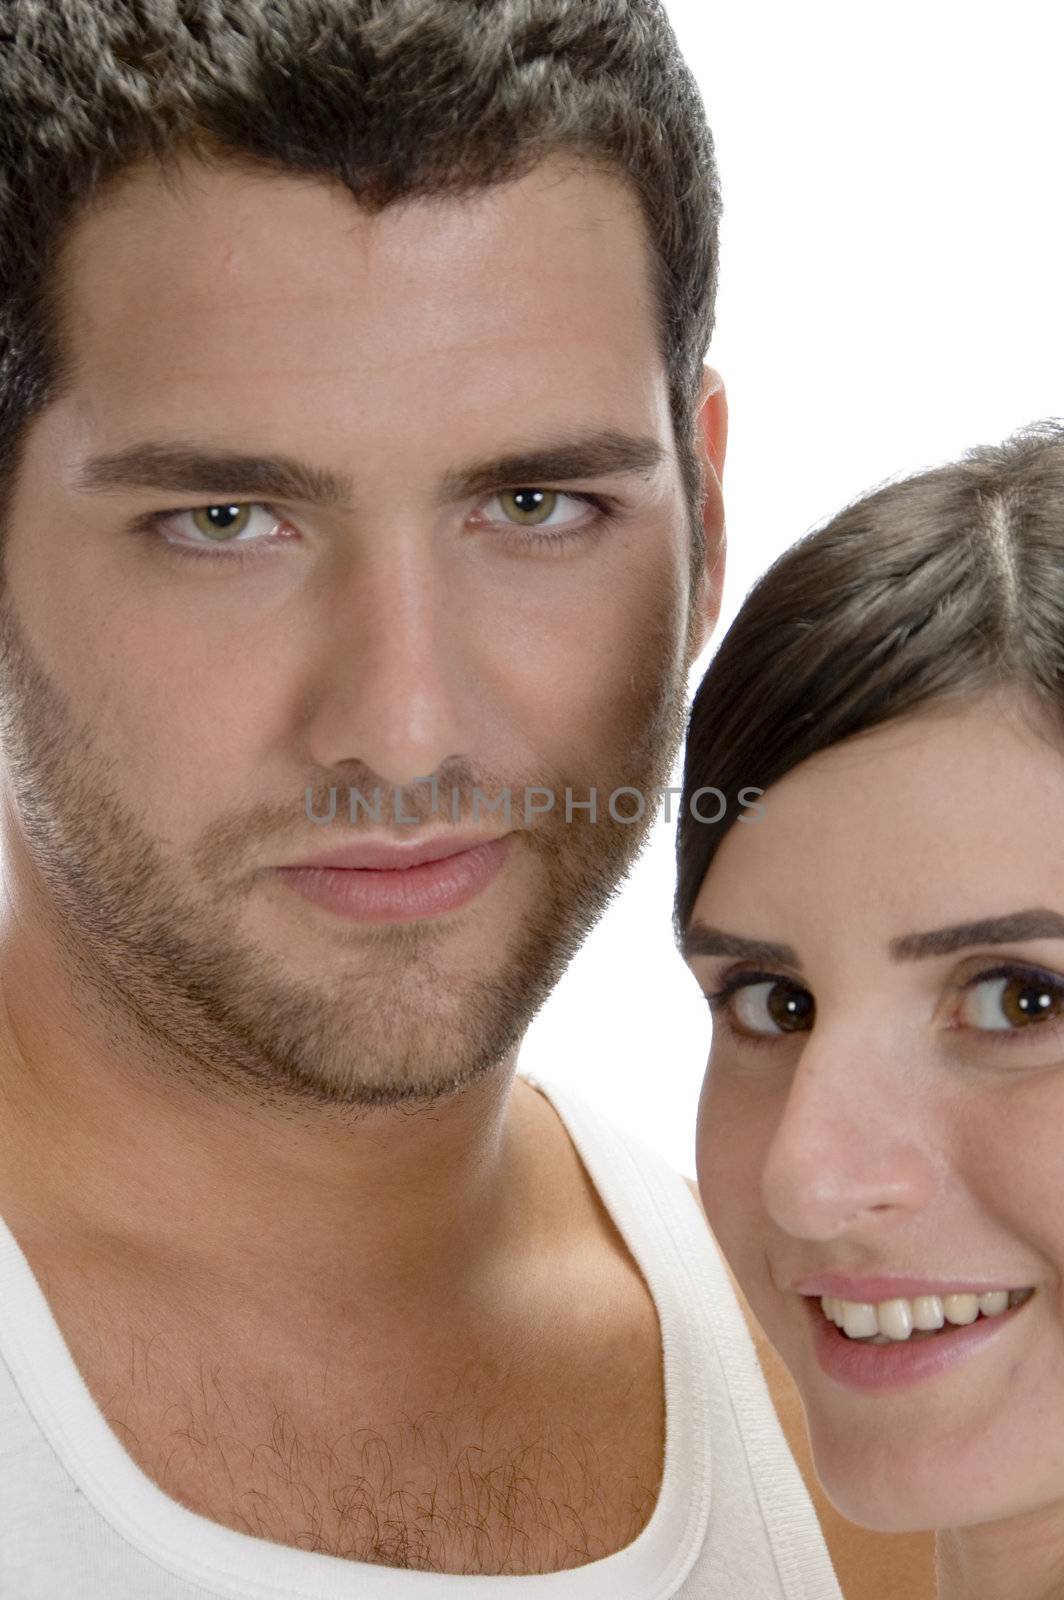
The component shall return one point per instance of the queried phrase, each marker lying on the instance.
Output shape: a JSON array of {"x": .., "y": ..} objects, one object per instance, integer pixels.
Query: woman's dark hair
[
  {"x": 928, "y": 592},
  {"x": 394, "y": 99}
]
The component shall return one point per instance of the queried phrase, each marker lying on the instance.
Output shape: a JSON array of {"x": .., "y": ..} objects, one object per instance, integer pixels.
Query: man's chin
[{"x": 390, "y": 1055}]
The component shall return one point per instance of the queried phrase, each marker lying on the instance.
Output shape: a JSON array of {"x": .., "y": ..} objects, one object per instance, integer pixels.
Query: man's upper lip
[
  {"x": 843, "y": 1286},
  {"x": 383, "y": 855}
]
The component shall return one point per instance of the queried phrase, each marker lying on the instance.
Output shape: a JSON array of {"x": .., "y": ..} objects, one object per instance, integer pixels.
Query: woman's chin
[
  {"x": 913, "y": 1488},
  {"x": 881, "y": 1508},
  {"x": 885, "y": 1497}
]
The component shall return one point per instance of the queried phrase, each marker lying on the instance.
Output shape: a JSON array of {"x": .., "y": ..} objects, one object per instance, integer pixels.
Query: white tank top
[{"x": 79, "y": 1520}]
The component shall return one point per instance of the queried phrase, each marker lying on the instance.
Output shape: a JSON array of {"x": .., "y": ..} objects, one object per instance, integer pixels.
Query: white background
[{"x": 892, "y": 267}]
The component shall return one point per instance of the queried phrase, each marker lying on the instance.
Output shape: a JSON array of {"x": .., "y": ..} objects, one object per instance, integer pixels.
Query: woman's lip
[
  {"x": 375, "y": 894},
  {"x": 877, "y": 1369}
]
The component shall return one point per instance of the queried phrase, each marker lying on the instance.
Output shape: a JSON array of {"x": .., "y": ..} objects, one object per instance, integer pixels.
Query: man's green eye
[
  {"x": 529, "y": 507},
  {"x": 221, "y": 523}
]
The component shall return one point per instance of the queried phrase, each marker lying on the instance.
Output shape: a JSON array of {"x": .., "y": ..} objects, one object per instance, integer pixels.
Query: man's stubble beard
[{"x": 165, "y": 975}]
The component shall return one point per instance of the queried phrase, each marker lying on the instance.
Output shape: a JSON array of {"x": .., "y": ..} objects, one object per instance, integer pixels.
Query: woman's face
[{"x": 885, "y": 1101}]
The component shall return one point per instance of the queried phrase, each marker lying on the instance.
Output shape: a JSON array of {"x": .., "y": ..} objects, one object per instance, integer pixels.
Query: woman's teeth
[{"x": 893, "y": 1320}]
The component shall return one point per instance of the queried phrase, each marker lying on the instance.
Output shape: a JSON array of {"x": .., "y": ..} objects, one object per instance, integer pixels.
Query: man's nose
[
  {"x": 855, "y": 1147},
  {"x": 394, "y": 681}
]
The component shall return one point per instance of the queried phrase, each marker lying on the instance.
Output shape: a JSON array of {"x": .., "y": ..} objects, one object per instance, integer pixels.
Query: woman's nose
[{"x": 855, "y": 1145}]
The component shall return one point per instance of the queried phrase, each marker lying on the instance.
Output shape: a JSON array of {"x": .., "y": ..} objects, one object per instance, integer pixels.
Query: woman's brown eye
[
  {"x": 1007, "y": 1002},
  {"x": 772, "y": 1007}
]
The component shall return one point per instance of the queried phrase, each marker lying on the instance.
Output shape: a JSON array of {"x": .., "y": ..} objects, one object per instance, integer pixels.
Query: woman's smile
[
  {"x": 893, "y": 1321},
  {"x": 875, "y": 1362}
]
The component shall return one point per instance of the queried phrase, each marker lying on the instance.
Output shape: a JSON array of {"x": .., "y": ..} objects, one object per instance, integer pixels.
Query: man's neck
[{"x": 386, "y": 1207}]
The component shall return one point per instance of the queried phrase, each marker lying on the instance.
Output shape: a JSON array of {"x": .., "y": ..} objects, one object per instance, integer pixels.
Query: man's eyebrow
[
  {"x": 203, "y": 469},
  {"x": 702, "y": 940},
  {"x": 1034, "y": 923}
]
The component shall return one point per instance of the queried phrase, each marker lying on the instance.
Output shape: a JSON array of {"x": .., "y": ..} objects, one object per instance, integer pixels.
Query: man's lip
[
  {"x": 378, "y": 856},
  {"x": 841, "y": 1286}
]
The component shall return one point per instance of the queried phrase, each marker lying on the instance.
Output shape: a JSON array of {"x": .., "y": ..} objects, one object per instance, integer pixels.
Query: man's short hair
[{"x": 396, "y": 99}]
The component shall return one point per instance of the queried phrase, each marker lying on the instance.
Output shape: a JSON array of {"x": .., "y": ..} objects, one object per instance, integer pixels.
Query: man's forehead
[
  {"x": 199, "y": 226},
  {"x": 240, "y": 304}
]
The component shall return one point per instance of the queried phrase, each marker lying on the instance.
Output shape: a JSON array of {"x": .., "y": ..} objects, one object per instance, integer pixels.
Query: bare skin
[
  {"x": 512, "y": 1428},
  {"x": 260, "y": 1159}
]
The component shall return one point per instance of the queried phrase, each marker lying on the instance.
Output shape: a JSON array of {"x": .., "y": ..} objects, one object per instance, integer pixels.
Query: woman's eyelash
[
  {"x": 1013, "y": 969},
  {"x": 718, "y": 998},
  {"x": 1005, "y": 969},
  {"x": 1033, "y": 976},
  {"x": 719, "y": 1001}
]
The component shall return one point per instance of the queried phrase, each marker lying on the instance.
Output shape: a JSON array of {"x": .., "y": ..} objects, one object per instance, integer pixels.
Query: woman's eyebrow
[
  {"x": 702, "y": 940},
  {"x": 1035, "y": 923}
]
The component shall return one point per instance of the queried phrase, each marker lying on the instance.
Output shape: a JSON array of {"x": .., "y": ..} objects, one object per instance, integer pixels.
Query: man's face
[{"x": 170, "y": 694}]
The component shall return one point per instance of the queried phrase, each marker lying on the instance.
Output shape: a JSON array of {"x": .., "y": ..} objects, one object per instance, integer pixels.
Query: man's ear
[
  {"x": 712, "y": 443},
  {"x": 713, "y": 419}
]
